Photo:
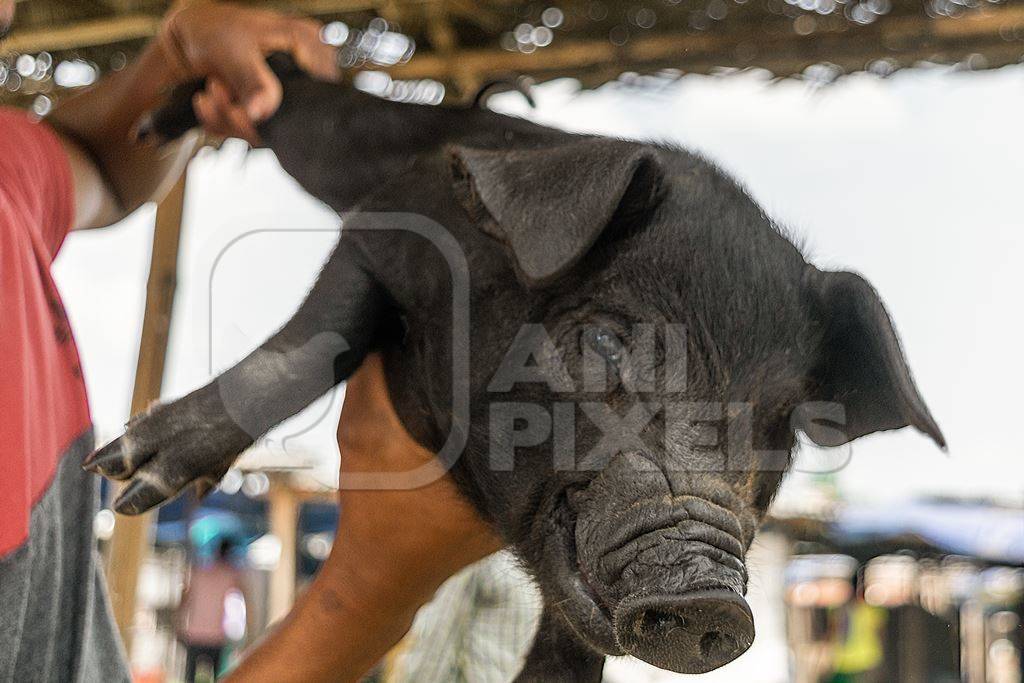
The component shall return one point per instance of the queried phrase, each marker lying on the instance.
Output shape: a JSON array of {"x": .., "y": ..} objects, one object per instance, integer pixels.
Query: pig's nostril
[
  {"x": 658, "y": 623},
  {"x": 715, "y": 644}
]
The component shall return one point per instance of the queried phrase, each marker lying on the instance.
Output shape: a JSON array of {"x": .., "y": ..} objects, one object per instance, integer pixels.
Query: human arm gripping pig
[
  {"x": 224, "y": 43},
  {"x": 643, "y": 346}
]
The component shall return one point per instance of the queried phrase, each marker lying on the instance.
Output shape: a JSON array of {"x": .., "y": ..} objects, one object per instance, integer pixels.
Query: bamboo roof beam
[
  {"x": 81, "y": 34},
  {"x": 905, "y": 39}
]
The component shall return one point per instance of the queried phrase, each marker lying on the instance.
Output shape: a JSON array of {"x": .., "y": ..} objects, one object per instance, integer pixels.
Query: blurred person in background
[
  {"x": 212, "y": 613},
  {"x": 860, "y": 645},
  {"x": 83, "y": 169}
]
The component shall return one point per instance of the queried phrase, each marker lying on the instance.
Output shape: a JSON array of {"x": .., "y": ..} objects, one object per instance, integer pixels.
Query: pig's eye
[{"x": 604, "y": 342}]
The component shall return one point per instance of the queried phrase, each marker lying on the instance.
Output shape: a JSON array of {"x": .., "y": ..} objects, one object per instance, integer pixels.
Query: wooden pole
[
  {"x": 130, "y": 542},
  {"x": 284, "y": 520}
]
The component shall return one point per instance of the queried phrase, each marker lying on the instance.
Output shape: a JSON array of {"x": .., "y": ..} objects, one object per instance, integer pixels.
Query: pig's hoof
[{"x": 169, "y": 447}]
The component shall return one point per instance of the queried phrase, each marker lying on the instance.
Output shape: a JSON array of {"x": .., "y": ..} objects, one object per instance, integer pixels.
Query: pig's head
[{"x": 630, "y": 439}]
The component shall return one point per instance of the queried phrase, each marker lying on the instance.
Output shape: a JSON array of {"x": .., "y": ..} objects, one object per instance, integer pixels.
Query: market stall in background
[{"x": 919, "y": 591}]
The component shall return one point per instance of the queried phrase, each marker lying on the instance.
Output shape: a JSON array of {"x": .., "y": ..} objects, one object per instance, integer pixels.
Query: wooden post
[
  {"x": 130, "y": 542},
  {"x": 284, "y": 521}
]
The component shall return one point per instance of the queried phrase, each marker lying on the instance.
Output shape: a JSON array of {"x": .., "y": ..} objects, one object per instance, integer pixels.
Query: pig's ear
[
  {"x": 860, "y": 365},
  {"x": 549, "y": 205}
]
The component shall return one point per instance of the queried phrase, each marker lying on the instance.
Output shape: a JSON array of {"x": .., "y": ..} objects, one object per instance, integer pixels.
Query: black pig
[{"x": 608, "y": 341}]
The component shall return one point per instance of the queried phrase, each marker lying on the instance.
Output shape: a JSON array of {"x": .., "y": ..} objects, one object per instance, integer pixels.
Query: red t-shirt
[{"x": 43, "y": 406}]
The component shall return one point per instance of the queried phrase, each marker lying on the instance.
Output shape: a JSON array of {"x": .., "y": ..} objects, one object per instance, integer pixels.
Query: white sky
[{"x": 915, "y": 181}]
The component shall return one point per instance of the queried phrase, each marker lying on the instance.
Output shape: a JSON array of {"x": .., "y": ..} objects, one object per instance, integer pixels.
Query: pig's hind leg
[
  {"x": 196, "y": 438},
  {"x": 557, "y": 656}
]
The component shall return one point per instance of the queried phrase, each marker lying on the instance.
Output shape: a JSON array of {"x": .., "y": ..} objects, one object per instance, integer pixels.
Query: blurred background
[{"x": 883, "y": 134}]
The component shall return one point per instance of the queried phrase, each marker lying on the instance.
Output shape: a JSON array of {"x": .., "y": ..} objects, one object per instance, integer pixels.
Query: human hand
[{"x": 227, "y": 45}]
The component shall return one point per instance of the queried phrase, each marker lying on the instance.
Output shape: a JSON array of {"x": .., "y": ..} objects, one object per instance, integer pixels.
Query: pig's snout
[{"x": 690, "y": 633}]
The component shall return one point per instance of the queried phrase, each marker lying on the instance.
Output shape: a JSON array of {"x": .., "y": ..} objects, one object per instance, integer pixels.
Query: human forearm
[
  {"x": 326, "y": 639},
  {"x": 101, "y": 122},
  {"x": 392, "y": 551}
]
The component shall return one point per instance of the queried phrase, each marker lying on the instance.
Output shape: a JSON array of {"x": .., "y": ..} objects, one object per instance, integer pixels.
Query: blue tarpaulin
[{"x": 975, "y": 529}]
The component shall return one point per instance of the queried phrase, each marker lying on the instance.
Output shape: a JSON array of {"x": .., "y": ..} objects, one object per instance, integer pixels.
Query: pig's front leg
[
  {"x": 196, "y": 438},
  {"x": 558, "y": 657}
]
